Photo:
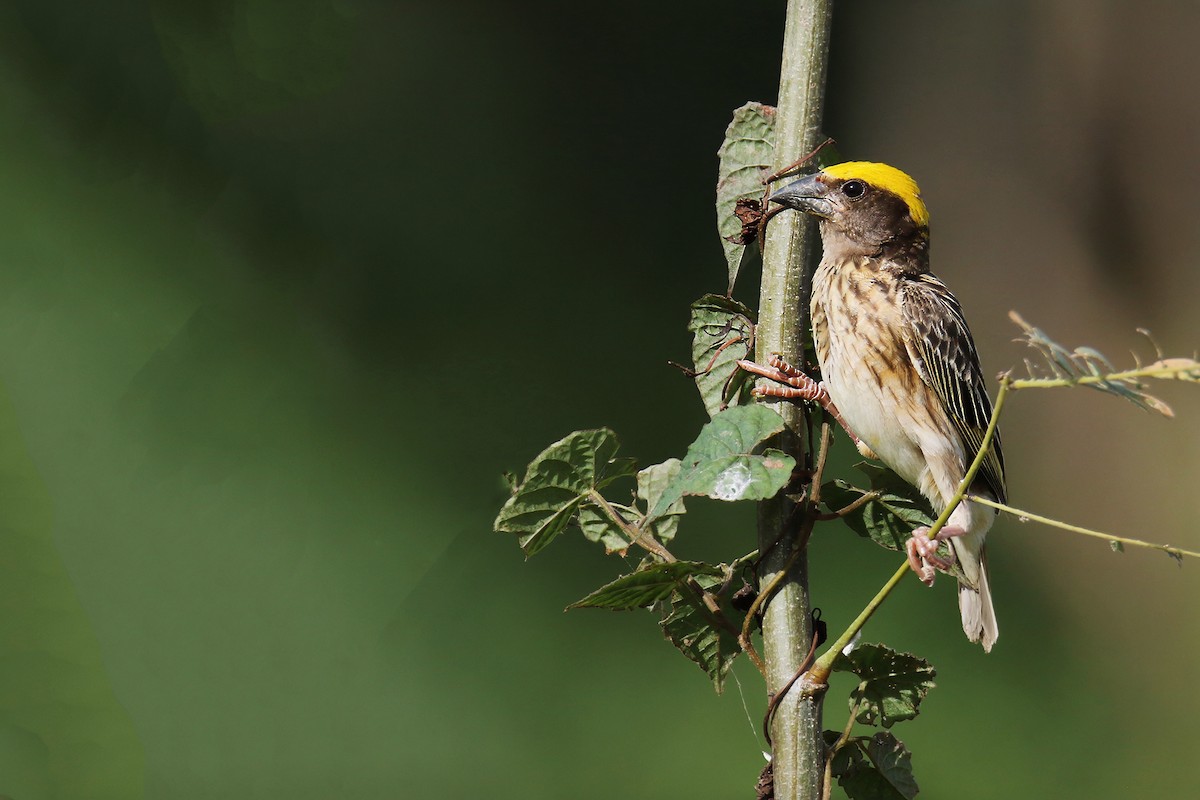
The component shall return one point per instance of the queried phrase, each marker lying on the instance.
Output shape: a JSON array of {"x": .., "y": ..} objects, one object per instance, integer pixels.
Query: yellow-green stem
[
  {"x": 1178, "y": 552},
  {"x": 819, "y": 673},
  {"x": 1088, "y": 380}
]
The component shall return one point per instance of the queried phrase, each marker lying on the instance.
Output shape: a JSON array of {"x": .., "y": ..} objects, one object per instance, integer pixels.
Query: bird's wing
[{"x": 944, "y": 353}]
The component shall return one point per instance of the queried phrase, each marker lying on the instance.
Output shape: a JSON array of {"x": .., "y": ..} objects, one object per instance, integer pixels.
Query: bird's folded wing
[{"x": 941, "y": 348}]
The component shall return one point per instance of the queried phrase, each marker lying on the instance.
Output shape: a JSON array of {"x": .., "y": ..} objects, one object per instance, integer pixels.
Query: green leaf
[
  {"x": 646, "y": 586},
  {"x": 746, "y": 157},
  {"x": 879, "y": 768},
  {"x": 888, "y": 519},
  {"x": 556, "y": 484},
  {"x": 721, "y": 463},
  {"x": 689, "y": 626},
  {"x": 652, "y": 483},
  {"x": 891, "y": 684},
  {"x": 722, "y": 332}
]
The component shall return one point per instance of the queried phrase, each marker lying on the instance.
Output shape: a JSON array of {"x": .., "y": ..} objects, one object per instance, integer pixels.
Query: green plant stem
[
  {"x": 766, "y": 592},
  {"x": 1152, "y": 371},
  {"x": 824, "y": 665},
  {"x": 849, "y": 508},
  {"x": 1176, "y": 552},
  {"x": 788, "y": 250}
]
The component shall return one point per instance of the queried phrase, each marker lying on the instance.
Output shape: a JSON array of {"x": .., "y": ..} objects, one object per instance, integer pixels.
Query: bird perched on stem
[{"x": 898, "y": 365}]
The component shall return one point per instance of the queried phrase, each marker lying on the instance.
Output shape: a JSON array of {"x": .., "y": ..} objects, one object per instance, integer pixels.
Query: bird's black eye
[{"x": 854, "y": 189}]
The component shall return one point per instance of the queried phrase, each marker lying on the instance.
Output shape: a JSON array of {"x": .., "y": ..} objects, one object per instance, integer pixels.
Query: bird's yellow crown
[{"x": 889, "y": 178}]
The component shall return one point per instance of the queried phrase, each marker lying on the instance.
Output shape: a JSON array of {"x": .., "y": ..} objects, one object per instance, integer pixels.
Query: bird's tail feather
[{"x": 975, "y": 604}]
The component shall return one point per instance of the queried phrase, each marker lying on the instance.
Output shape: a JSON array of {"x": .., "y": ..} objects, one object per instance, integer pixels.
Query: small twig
[
  {"x": 819, "y": 469},
  {"x": 704, "y": 602},
  {"x": 850, "y": 507},
  {"x": 1152, "y": 371},
  {"x": 1175, "y": 552},
  {"x": 794, "y": 167},
  {"x": 813, "y": 505}
]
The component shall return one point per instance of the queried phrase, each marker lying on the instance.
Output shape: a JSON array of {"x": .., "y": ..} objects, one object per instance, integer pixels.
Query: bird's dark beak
[{"x": 807, "y": 194}]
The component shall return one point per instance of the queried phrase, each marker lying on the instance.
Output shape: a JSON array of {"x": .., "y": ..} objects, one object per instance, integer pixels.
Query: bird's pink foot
[
  {"x": 795, "y": 384},
  {"x": 923, "y": 555}
]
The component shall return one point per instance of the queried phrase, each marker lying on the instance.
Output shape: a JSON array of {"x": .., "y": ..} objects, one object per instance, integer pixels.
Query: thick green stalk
[{"x": 798, "y": 752}]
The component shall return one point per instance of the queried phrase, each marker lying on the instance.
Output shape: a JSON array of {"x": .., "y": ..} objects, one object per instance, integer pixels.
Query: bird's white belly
[
  {"x": 870, "y": 378},
  {"x": 874, "y": 415}
]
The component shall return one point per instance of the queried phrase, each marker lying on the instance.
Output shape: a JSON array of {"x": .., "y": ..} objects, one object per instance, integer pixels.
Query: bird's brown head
[{"x": 864, "y": 207}]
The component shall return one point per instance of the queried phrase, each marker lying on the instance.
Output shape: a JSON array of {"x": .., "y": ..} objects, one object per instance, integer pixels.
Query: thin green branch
[
  {"x": 1155, "y": 370},
  {"x": 824, "y": 665},
  {"x": 1174, "y": 552},
  {"x": 851, "y": 507},
  {"x": 1086, "y": 366}
]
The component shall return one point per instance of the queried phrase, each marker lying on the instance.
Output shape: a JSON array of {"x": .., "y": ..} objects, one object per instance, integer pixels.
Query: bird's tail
[{"x": 975, "y": 604}]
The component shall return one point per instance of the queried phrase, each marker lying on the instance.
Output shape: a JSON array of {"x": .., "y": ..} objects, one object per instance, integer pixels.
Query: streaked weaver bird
[{"x": 898, "y": 365}]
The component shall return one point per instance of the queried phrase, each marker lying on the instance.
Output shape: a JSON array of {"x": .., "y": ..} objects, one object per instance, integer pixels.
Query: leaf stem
[
  {"x": 635, "y": 533},
  {"x": 1151, "y": 371},
  {"x": 849, "y": 508},
  {"x": 1174, "y": 552}
]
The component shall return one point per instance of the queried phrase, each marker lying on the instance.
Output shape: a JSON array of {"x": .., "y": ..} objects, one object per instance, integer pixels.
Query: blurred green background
[{"x": 285, "y": 285}]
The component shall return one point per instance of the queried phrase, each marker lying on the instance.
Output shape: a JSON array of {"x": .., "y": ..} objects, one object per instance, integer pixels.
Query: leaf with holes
[
  {"x": 646, "y": 586},
  {"x": 879, "y": 768},
  {"x": 556, "y": 485},
  {"x": 722, "y": 464},
  {"x": 722, "y": 332},
  {"x": 689, "y": 625},
  {"x": 891, "y": 684},
  {"x": 746, "y": 157}
]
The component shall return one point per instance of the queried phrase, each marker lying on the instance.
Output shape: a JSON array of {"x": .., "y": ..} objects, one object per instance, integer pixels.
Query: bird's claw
[
  {"x": 923, "y": 552},
  {"x": 793, "y": 383}
]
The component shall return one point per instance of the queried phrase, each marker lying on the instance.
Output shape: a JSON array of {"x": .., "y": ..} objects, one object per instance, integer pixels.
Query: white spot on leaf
[{"x": 733, "y": 482}]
